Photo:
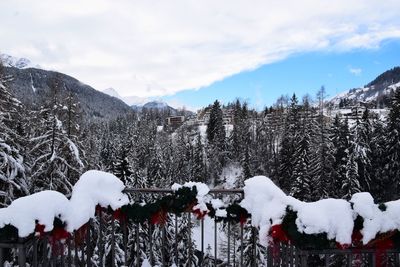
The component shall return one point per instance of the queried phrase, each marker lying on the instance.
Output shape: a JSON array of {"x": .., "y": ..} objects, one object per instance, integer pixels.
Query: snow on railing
[{"x": 75, "y": 231}]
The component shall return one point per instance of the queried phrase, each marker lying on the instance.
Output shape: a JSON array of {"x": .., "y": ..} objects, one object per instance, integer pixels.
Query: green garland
[{"x": 182, "y": 200}]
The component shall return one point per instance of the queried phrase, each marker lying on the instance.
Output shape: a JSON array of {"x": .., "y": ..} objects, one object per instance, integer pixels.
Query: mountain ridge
[
  {"x": 30, "y": 85},
  {"x": 376, "y": 94}
]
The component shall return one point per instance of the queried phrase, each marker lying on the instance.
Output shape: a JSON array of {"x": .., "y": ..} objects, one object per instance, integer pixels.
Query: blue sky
[{"x": 301, "y": 74}]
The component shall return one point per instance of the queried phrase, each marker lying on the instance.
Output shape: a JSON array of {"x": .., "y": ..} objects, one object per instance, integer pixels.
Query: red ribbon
[
  {"x": 200, "y": 214},
  {"x": 119, "y": 215},
  {"x": 160, "y": 217},
  {"x": 278, "y": 234},
  {"x": 57, "y": 235},
  {"x": 242, "y": 219}
]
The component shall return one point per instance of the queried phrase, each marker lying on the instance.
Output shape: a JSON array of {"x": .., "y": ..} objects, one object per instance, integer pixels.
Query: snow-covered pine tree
[
  {"x": 362, "y": 151},
  {"x": 378, "y": 153},
  {"x": 199, "y": 168},
  {"x": 122, "y": 166},
  {"x": 56, "y": 159},
  {"x": 216, "y": 142},
  {"x": 392, "y": 167},
  {"x": 339, "y": 135},
  {"x": 13, "y": 168},
  {"x": 322, "y": 160},
  {"x": 351, "y": 184},
  {"x": 302, "y": 183},
  {"x": 288, "y": 145}
]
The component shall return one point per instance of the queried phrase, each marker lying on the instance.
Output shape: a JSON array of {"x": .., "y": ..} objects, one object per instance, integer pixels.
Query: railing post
[
  {"x": 202, "y": 241},
  {"x": 254, "y": 235},
  {"x": 303, "y": 258},
  {"x": 215, "y": 243},
  {"x": 176, "y": 241},
  {"x": 45, "y": 251},
  {"x": 101, "y": 245},
  {"x": 163, "y": 247},
  {"x": 270, "y": 261},
  {"x": 1, "y": 256},
  {"x": 151, "y": 243},
  {"x": 137, "y": 232},
  {"x": 112, "y": 242},
  {"x": 190, "y": 239},
  {"x": 21, "y": 255},
  {"x": 76, "y": 259},
  {"x": 69, "y": 259},
  {"x": 88, "y": 245},
  {"x": 125, "y": 240},
  {"x": 229, "y": 244},
  {"x": 241, "y": 245}
]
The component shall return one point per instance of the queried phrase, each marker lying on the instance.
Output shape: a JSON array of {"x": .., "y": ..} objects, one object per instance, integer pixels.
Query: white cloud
[
  {"x": 355, "y": 71},
  {"x": 182, "y": 44}
]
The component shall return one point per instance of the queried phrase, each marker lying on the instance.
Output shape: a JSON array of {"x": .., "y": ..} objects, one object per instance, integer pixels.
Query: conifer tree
[
  {"x": 13, "y": 169},
  {"x": 392, "y": 167},
  {"x": 339, "y": 135},
  {"x": 362, "y": 150},
  {"x": 288, "y": 145}
]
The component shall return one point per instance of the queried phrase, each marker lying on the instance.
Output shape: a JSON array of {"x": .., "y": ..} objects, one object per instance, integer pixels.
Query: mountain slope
[
  {"x": 376, "y": 93},
  {"x": 30, "y": 85},
  {"x": 155, "y": 105}
]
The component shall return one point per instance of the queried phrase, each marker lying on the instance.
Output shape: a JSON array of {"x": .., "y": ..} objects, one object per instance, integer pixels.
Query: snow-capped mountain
[
  {"x": 156, "y": 105},
  {"x": 112, "y": 92},
  {"x": 129, "y": 100},
  {"x": 377, "y": 93},
  {"x": 19, "y": 63}
]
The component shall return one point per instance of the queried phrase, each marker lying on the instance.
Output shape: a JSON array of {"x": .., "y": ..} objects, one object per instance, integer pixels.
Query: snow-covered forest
[{"x": 309, "y": 155}]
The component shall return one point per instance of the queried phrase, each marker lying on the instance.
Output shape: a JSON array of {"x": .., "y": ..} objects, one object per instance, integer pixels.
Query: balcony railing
[{"x": 109, "y": 241}]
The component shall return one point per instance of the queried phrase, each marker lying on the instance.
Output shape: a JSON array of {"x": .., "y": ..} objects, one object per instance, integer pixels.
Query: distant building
[{"x": 175, "y": 121}]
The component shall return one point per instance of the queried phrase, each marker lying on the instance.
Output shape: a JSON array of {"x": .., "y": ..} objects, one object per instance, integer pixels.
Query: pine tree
[
  {"x": 215, "y": 127},
  {"x": 217, "y": 145},
  {"x": 198, "y": 168},
  {"x": 362, "y": 150},
  {"x": 392, "y": 167},
  {"x": 122, "y": 167},
  {"x": 57, "y": 162},
  {"x": 13, "y": 168},
  {"x": 302, "y": 182},
  {"x": 339, "y": 135},
  {"x": 378, "y": 161},
  {"x": 351, "y": 184},
  {"x": 322, "y": 160},
  {"x": 288, "y": 145}
]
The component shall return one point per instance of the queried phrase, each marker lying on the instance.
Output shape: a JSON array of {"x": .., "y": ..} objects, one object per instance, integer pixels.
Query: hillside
[
  {"x": 30, "y": 86},
  {"x": 376, "y": 94}
]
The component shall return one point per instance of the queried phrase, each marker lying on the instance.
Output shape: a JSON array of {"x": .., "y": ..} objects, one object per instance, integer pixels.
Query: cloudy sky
[{"x": 172, "y": 48}]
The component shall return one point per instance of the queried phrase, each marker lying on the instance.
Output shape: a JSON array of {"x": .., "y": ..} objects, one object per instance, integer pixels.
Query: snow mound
[
  {"x": 93, "y": 188},
  {"x": 375, "y": 220},
  {"x": 323, "y": 217},
  {"x": 267, "y": 205},
  {"x": 42, "y": 207}
]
